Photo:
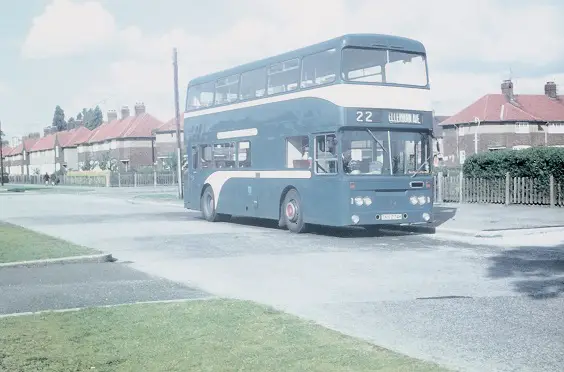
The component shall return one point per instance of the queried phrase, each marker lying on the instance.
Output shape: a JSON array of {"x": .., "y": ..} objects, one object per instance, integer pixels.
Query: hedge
[{"x": 535, "y": 162}]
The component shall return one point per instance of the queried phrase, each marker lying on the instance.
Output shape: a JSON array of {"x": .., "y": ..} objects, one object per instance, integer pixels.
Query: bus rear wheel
[
  {"x": 207, "y": 206},
  {"x": 292, "y": 212}
]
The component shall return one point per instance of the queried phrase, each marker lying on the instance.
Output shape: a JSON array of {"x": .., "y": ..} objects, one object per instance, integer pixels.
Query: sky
[{"x": 79, "y": 53}]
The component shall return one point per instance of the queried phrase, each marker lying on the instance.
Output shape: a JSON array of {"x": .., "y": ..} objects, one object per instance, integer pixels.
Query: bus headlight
[
  {"x": 413, "y": 199},
  {"x": 358, "y": 201},
  {"x": 367, "y": 200},
  {"x": 428, "y": 199},
  {"x": 421, "y": 200}
]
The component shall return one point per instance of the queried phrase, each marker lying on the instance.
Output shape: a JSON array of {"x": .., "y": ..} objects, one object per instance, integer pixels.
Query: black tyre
[
  {"x": 293, "y": 213},
  {"x": 207, "y": 206}
]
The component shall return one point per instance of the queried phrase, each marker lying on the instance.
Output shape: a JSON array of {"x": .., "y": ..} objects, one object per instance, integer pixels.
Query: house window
[
  {"x": 125, "y": 165},
  {"x": 521, "y": 147},
  {"x": 556, "y": 128},
  {"x": 521, "y": 127}
]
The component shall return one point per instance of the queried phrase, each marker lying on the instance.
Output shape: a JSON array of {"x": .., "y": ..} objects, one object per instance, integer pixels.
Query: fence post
[
  {"x": 440, "y": 187},
  {"x": 155, "y": 178},
  {"x": 135, "y": 179},
  {"x": 119, "y": 179},
  {"x": 552, "y": 192},
  {"x": 507, "y": 188},
  {"x": 107, "y": 180},
  {"x": 460, "y": 186}
]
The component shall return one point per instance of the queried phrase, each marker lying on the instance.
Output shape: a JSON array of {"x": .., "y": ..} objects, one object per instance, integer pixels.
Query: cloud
[
  {"x": 67, "y": 28},
  {"x": 456, "y": 34}
]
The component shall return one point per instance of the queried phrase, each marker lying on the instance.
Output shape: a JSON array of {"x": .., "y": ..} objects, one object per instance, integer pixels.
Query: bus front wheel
[{"x": 292, "y": 212}]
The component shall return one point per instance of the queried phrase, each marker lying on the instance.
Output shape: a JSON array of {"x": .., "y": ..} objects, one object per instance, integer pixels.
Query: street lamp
[{"x": 476, "y": 121}]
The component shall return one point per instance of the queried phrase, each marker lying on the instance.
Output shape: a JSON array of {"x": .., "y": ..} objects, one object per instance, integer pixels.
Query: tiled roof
[
  {"x": 6, "y": 150},
  {"x": 498, "y": 108},
  {"x": 139, "y": 126},
  {"x": 44, "y": 143},
  {"x": 28, "y": 143},
  {"x": 169, "y": 126},
  {"x": 74, "y": 137}
]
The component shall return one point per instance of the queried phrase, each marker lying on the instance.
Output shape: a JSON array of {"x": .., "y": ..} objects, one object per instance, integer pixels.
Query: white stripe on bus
[
  {"x": 217, "y": 179},
  {"x": 345, "y": 95},
  {"x": 237, "y": 133}
]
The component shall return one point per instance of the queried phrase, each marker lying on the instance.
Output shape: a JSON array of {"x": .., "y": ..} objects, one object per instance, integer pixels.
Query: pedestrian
[{"x": 46, "y": 178}]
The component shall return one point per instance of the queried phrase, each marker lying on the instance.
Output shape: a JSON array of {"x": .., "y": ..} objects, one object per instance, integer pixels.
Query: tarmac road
[
  {"x": 68, "y": 286},
  {"x": 470, "y": 307}
]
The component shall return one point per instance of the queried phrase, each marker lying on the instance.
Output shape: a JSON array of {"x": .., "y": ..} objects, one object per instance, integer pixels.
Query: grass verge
[
  {"x": 214, "y": 335},
  {"x": 20, "y": 244}
]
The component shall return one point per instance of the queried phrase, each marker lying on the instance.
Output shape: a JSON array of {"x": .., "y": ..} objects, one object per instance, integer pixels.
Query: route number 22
[{"x": 364, "y": 116}]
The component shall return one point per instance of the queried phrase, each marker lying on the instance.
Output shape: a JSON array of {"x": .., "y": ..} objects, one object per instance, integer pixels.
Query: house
[
  {"x": 505, "y": 121},
  {"x": 6, "y": 150},
  {"x": 438, "y": 139},
  {"x": 128, "y": 139},
  {"x": 165, "y": 141},
  {"x": 69, "y": 141},
  {"x": 18, "y": 158}
]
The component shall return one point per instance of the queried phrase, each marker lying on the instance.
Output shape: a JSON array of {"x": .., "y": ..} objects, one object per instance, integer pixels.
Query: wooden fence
[{"x": 506, "y": 190}]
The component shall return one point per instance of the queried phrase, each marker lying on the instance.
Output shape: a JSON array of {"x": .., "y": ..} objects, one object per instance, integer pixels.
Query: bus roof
[{"x": 358, "y": 40}]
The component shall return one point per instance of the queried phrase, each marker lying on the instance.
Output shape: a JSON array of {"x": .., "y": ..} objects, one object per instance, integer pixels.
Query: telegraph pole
[
  {"x": 177, "y": 116},
  {"x": 1, "y": 158}
]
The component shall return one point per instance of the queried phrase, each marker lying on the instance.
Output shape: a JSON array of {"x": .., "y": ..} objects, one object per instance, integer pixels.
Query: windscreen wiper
[
  {"x": 377, "y": 141},
  {"x": 421, "y": 166}
]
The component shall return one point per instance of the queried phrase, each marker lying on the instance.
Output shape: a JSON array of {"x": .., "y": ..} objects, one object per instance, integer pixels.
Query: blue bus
[{"x": 337, "y": 134}]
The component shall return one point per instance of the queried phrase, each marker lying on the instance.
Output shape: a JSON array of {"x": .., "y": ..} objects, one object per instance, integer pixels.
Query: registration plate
[{"x": 389, "y": 217}]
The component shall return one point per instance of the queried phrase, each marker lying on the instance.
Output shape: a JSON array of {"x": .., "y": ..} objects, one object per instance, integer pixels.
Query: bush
[{"x": 536, "y": 162}]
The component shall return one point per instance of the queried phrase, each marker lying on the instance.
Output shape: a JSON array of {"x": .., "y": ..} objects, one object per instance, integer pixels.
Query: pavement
[
  {"x": 78, "y": 285},
  {"x": 488, "y": 304}
]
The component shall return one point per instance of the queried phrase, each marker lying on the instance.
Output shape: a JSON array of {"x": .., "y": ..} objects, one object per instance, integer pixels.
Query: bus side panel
[{"x": 322, "y": 204}]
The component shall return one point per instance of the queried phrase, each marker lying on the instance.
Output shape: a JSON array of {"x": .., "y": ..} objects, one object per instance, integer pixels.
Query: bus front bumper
[{"x": 395, "y": 217}]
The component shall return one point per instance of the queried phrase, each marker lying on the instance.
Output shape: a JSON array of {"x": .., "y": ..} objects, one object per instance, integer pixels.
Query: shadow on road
[
  {"x": 338, "y": 232},
  {"x": 443, "y": 214},
  {"x": 538, "y": 271}
]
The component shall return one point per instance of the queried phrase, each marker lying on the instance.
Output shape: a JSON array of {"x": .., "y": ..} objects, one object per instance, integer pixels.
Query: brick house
[
  {"x": 505, "y": 121},
  {"x": 165, "y": 141},
  {"x": 128, "y": 139},
  {"x": 68, "y": 142},
  {"x": 18, "y": 158}
]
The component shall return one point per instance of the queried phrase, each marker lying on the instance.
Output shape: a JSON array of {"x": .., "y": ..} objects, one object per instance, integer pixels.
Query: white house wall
[{"x": 71, "y": 157}]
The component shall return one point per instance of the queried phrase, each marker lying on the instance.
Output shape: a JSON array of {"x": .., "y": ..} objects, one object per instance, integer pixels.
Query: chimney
[
  {"x": 507, "y": 89},
  {"x": 550, "y": 89},
  {"x": 112, "y": 115},
  {"x": 139, "y": 108},
  {"x": 124, "y": 112}
]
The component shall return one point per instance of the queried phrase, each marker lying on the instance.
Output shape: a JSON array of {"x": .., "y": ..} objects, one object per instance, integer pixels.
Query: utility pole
[
  {"x": 1, "y": 158},
  {"x": 177, "y": 115}
]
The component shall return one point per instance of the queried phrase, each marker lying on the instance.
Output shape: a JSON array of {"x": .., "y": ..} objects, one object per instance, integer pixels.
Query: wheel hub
[{"x": 291, "y": 211}]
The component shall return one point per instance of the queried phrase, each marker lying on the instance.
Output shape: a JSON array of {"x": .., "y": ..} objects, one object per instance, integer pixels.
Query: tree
[
  {"x": 3, "y": 142},
  {"x": 71, "y": 123},
  {"x": 79, "y": 116},
  {"x": 98, "y": 117},
  {"x": 106, "y": 162},
  {"x": 59, "y": 119}
]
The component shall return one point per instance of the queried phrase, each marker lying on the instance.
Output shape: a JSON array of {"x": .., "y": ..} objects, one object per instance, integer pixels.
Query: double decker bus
[{"x": 337, "y": 134}]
